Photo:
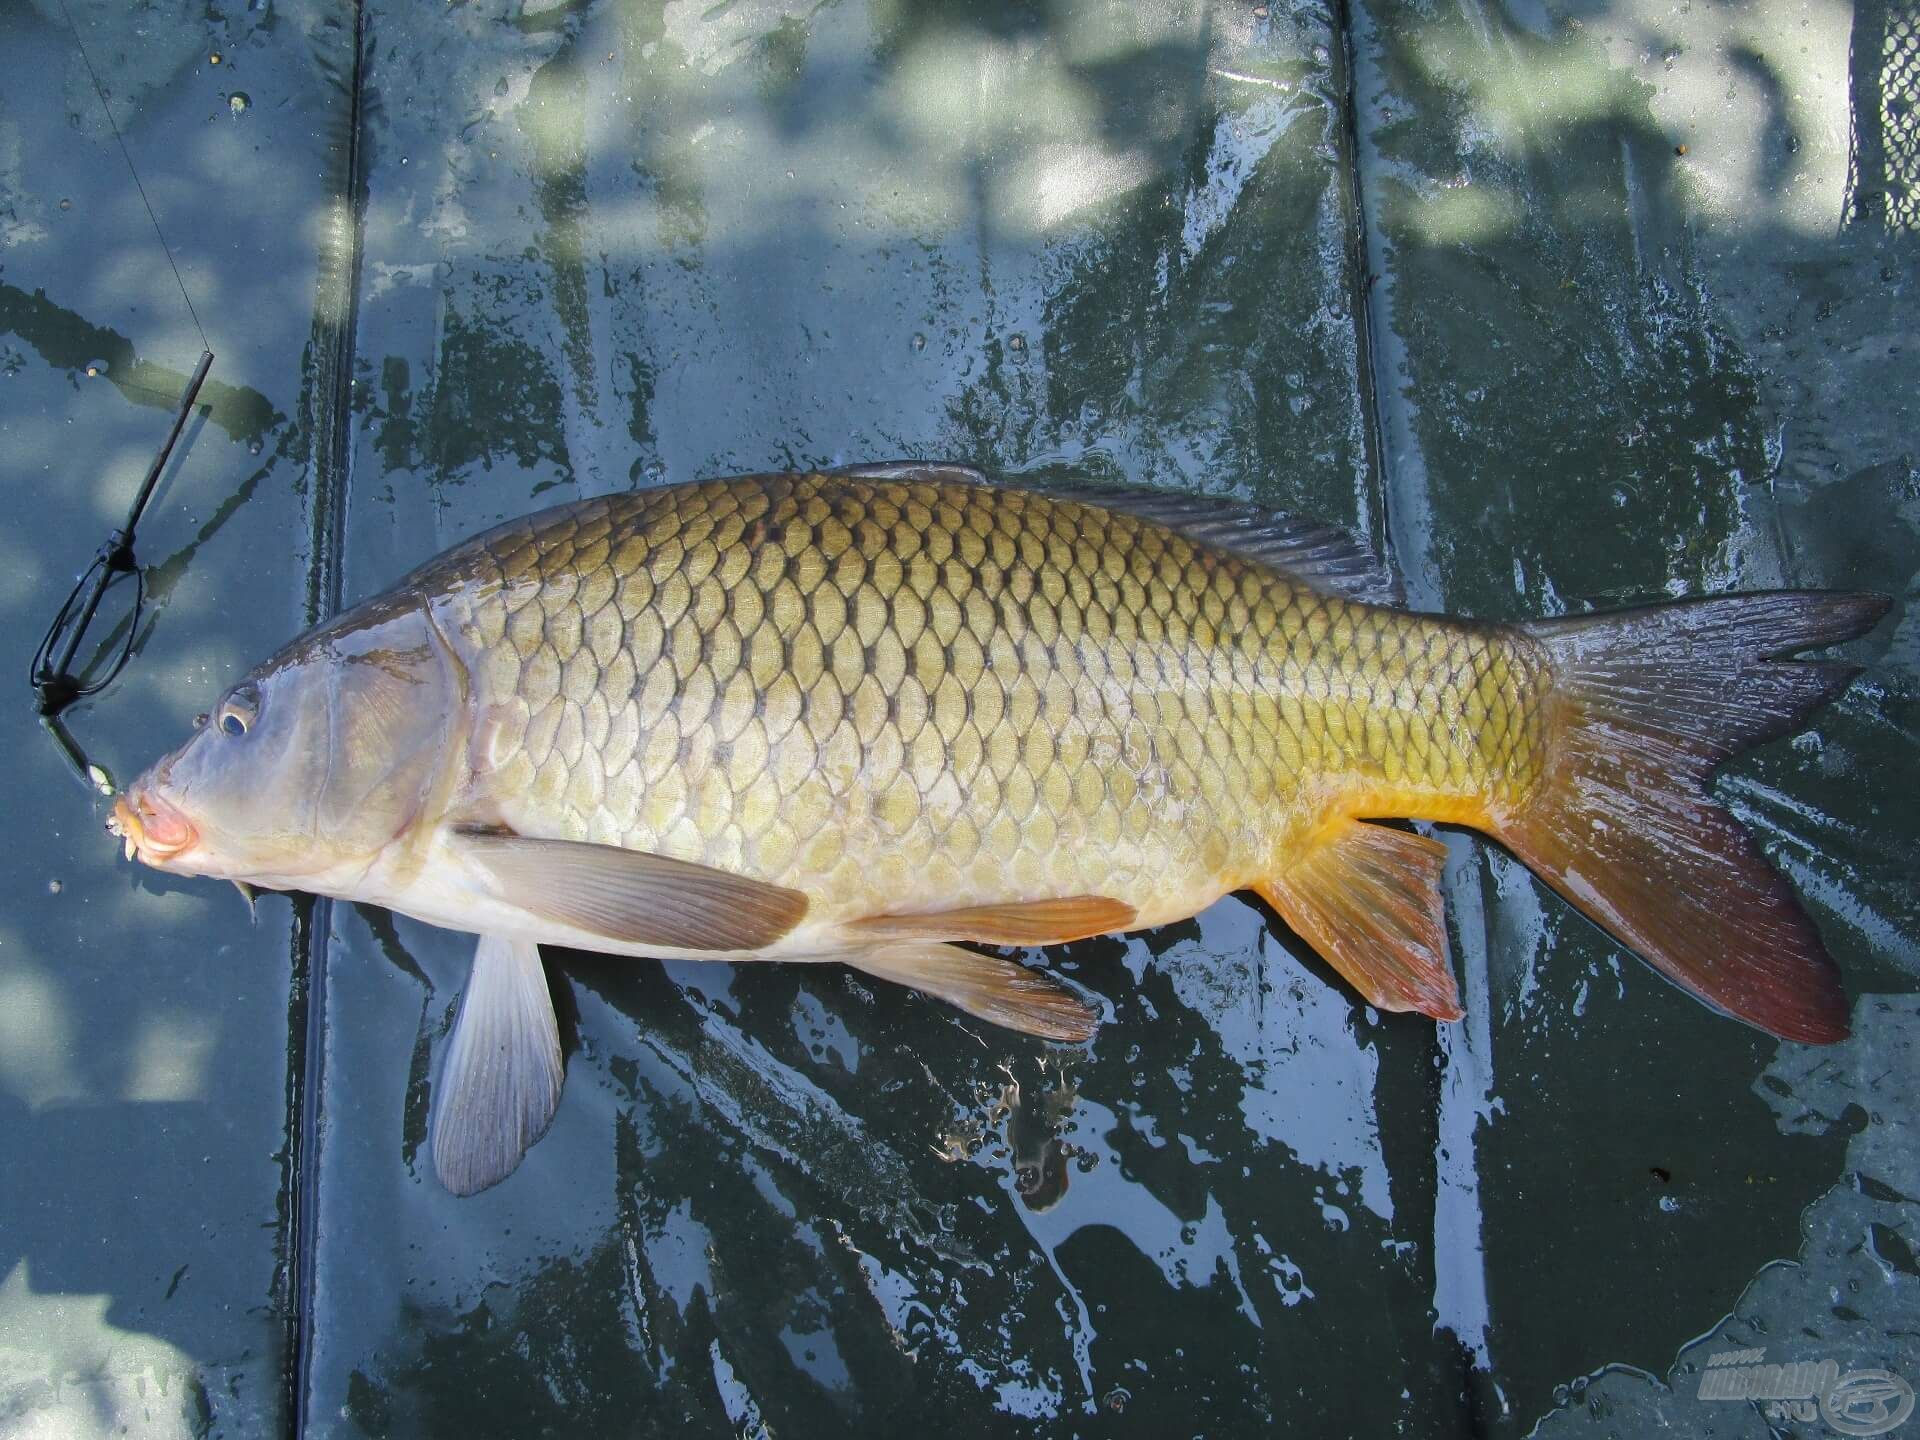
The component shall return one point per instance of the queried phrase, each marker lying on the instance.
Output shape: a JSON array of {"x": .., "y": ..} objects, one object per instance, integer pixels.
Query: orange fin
[
  {"x": 1368, "y": 899},
  {"x": 1031, "y": 922},
  {"x": 993, "y": 989},
  {"x": 1651, "y": 701}
]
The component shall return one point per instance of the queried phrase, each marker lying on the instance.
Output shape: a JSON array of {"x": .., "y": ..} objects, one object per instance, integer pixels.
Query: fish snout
[{"x": 154, "y": 830}]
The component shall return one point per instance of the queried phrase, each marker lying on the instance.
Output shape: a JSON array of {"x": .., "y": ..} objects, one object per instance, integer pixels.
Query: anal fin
[
  {"x": 1030, "y": 922},
  {"x": 999, "y": 991},
  {"x": 1367, "y": 898},
  {"x": 500, "y": 1083}
]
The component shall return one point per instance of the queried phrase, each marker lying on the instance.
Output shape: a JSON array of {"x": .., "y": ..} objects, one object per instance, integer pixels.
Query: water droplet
[
  {"x": 96, "y": 367},
  {"x": 65, "y": 204},
  {"x": 54, "y": 887},
  {"x": 253, "y": 446},
  {"x": 239, "y": 101},
  {"x": 919, "y": 341},
  {"x": 214, "y": 58}
]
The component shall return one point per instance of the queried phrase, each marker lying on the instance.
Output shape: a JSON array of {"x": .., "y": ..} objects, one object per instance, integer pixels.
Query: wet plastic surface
[
  {"x": 144, "y": 1041},
  {"x": 1501, "y": 324}
]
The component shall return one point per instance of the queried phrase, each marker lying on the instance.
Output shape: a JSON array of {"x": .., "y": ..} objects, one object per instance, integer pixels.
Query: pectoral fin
[
  {"x": 501, "y": 1080},
  {"x": 1368, "y": 899},
  {"x": 1034, "y": 922},
  {"x": 631, "y": 896},
  {"x": 996, "y": 990}
]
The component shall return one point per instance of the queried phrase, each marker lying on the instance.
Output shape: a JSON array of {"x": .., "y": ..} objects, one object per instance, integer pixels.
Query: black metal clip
[{"x": 53, "y": 679}]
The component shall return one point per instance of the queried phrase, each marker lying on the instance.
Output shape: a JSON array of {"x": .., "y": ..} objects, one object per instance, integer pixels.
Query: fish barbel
[{"x": 861, "y": 716}]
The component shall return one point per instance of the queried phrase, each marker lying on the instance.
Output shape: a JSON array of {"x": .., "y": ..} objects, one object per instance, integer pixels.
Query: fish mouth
[{"x": 154, "y": 831}]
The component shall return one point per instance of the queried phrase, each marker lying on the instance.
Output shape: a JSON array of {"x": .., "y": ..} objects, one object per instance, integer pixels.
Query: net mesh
[{"x": 1883, "y": 172}]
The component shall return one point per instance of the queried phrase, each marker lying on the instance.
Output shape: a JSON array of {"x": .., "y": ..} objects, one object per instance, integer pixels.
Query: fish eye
[{"x": 239, "y": 710}]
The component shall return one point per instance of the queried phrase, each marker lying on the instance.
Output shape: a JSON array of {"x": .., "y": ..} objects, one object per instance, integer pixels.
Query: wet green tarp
[{"x": 1568, "y": 304}]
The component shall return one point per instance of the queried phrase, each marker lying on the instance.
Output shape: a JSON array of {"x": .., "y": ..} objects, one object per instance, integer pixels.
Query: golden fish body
[
  {"x": 900, "y": 697},
  {"x": 861, "y": 715}
]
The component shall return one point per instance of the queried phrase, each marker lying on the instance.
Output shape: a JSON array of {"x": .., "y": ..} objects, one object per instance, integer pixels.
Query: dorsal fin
[
  {"x": 1324, "y": 556},
  {"x": 914, "y": 472}
]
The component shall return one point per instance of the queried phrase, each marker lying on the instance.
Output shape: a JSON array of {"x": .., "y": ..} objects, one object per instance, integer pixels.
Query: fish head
[{"x": 311, "y": 766}]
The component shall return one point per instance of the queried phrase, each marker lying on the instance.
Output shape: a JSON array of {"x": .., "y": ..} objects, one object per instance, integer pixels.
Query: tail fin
[{"x": 1650, "y": 702}]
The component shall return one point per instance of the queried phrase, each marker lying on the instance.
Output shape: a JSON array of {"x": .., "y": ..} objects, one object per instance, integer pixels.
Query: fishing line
[
  {"x": 165, "y": 249},
  {"x": 51, "y": 673}
]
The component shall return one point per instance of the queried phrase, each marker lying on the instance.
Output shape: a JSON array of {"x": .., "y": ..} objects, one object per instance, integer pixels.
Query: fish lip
[{"x": 154, "y": 830}]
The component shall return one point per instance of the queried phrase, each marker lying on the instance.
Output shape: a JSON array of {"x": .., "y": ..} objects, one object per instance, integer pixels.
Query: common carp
[{"x": 864, "y": 716}]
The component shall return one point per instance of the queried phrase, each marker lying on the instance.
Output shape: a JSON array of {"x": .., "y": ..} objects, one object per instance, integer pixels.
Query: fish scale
[{"x": 894, "y": 696}]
